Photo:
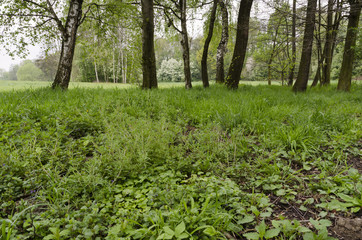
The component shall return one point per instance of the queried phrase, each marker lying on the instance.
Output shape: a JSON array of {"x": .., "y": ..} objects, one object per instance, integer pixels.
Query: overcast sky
[{"x": 6, "y": 61}]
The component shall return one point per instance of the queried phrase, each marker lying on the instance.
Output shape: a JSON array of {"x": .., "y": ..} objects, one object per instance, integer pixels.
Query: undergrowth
[{"x": 256, "y": 163}]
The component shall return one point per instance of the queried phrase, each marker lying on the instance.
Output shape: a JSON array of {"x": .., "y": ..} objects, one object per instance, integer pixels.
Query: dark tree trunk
[
  {"x": 320, "y": 52},
  {"x": 148, "y": 47},
  {"x": 221, "y": 49},
  {"x": 69, "y": 36},
  {"x": 204, "y": 75},
  {"x": 326, "y": 70},
  {"x": 303, "y": 74},
  {"x": 242, "y": 32},
  {"x": 294, "y": 45},
  {"x": 345, "y": 77},
  {"x": 185, "y": 45}
]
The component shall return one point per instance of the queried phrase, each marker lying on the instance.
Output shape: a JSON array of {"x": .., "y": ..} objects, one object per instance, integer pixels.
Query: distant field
[
  {"x": 6, "y": 85},
  {"x": 19, "y": 85}
]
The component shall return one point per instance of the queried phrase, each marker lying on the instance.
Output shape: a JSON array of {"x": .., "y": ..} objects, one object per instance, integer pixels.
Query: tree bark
[
  {"x": 96, "y": 71},
  {"x": 294, "y": 45},
  {"x": 185, "y": 45},
  {"x": 221, "y": 48},
  {"x": 68, "y": 37},
  {"x": 326, "y": 70},
  {"x": 303, "y": 74},
  {"x": 345, "y": 77},
  {"x": 242, "y": 33},
  {"x": 148, "y": 47},
  {"x": 204, "y": 75}
]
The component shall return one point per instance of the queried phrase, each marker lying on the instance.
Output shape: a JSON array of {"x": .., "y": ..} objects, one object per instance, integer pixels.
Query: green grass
[
  {"x": 23, "y": 85},
  {"x": 175, "y": 164}
]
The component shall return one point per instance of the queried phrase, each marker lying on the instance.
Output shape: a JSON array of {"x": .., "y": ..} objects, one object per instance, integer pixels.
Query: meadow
[{"x": 107, "y": 163}]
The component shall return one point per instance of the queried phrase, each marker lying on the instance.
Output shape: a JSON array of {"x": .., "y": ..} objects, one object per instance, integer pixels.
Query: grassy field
[
  {"x": 256, "y": 163},
  {"x": 22, "y": 85}
]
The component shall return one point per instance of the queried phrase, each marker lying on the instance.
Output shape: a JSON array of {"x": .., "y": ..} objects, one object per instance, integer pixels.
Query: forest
[{"x": 181, "y": 119}]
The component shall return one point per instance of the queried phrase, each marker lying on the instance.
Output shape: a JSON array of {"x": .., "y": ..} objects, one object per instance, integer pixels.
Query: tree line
[{"x": 102, "y": 39}]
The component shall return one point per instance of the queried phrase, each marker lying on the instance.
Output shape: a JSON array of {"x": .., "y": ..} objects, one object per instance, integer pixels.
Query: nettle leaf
[
  {"x": 168, "y": 230},
  {"x": 272, "y": 233},
  {"x": 211, "y": 231},
  {"x": 253, "y": 235},
  {"x": 247, "y": 219},
  {"x": 180, "y": 229}
]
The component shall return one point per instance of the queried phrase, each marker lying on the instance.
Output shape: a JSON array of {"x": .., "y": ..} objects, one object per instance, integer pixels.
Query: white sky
[{"x": 6, "y": 61}]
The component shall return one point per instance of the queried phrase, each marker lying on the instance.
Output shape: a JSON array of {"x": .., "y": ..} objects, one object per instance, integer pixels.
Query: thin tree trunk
[
  {"x": 272, "y": 53},
  {"x": 303, "y": 74},
  {"x": 242, "y": 33},
  {"x": 148, "y": 47},
  {"x": 185, "y": 45},
  {"x": 69, "y": 36},
  {"x": 294, "y": 45},
  {"x": 320, "y": 52},
  {"x": 345, "y": 77},
  {"x": 221, "y": 48},
  {"x": 96, "y": 71},
  {"x": 204, "y": 75},
  {"x": 326, "y": 70}
]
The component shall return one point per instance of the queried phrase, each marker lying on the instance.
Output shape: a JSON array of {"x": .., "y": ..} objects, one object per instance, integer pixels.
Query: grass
[
  {"x": 23, "y": 85},
  {"x": 256, "y": 163}
]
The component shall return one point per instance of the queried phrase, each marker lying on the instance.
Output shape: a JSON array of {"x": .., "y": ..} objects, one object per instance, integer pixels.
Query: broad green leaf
[
  {"x": 180, "y": 229},
  {"x": 210, "y": 231},
  {"x": 253, "y": 235},
  {"x": 168, "y": 230},
  {"x": 246, "y": 219},
  {"x": 272, "y": 233}
]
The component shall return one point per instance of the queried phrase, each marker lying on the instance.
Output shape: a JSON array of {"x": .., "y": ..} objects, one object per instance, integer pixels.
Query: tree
[
  {"x": 204, "y": 75},
  {"x": 242, "y": 33},
  {"x": 301, "y": 83},
  {"x": 345, "y": 77},
  {"x": 174, "y": 12},
  {"x": 294, "y": 44},
  {"x": 221, "y": 49},
  {"x": 29, "y": 72},
  {"x": 36, "y": 19},
  {"x": 148, "y": 47}
]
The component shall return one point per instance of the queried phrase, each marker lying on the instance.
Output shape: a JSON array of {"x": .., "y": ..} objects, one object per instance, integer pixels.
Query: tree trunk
[
  {"x": 221, "y": 48},
  {"x": 185, "y": 45},
  {"x": 326, "y": 70},
  {"x": 320, "y": 52},
  {"x": 204, "y": 75},
  {"x": 96, "y": 71},
  {"x": 148, "y": 47},
  {"x": 303, "y": 74},
  {"x": 69, "y": 36},
  {"x": 272, "y": 53},
  {"x": 294, "y": 45},
  {"x": 345, "y": 77},
  {"x": 242, "y": 32}
]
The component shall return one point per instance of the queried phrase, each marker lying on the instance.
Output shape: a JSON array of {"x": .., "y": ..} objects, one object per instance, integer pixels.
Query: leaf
[
  {"x": 281, "y": 192},
  {"x": 346, "y": 197},
  {"x": 180, "y": 229},
  {"x": 64, "y": 233},
  {"x": 168, "y": 231},
  {"x": 164, "y": 236},
  {"x": 252, "y": 235},
  {"x": 272, "y": 233},
  {"x": 246, "y": 219},
  {"x": 261, "y": 228},
  {"x": 210, "y": 231},
  {"x": 183, "y": 236},
  {"x": 308, "y": 236}
]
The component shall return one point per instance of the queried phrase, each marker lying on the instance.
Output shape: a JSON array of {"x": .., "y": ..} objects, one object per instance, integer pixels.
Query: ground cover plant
[{"x": 259, "y": 162}]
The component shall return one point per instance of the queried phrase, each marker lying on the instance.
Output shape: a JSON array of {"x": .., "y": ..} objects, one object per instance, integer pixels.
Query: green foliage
[
  {"x": 29, "y": 72},
  {"x": 174, "y": 164}
]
